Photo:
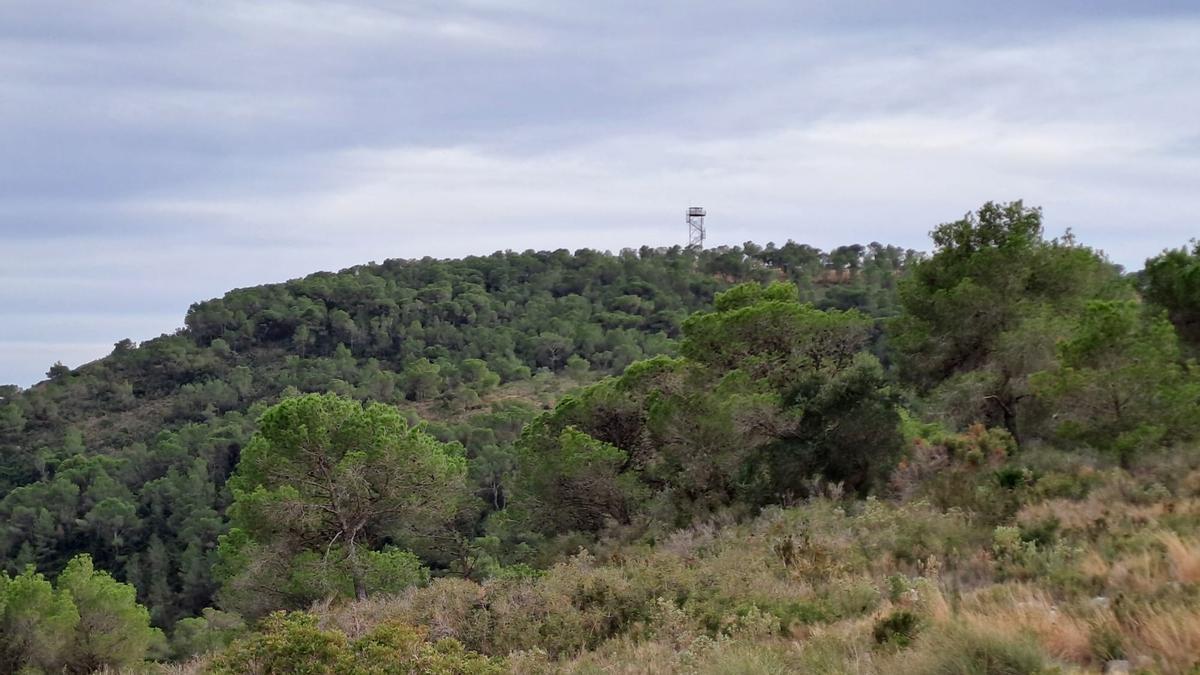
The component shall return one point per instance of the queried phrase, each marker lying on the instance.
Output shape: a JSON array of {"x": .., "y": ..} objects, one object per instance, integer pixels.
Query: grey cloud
[{"x": 158, "y": 153}]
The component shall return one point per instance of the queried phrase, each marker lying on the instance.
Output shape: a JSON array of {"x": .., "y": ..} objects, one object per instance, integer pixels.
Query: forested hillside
[
  {"x": 126, "y": 458},
  {"x": 751, "y": 460}
]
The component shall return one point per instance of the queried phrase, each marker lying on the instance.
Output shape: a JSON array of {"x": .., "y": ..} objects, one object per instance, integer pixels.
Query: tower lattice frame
[{"x": 695, "y": 221}]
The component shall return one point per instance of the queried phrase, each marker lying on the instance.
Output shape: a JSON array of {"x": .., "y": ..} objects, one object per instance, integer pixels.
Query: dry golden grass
[
  {"x": 1170, "y": 639},
  {"x": 1107, "y": 509},
  {"x": 1071, "y": 515},
  {"x": 1183, "y": 556},
  {"x": 1190, "y": 484},
  {"x": 1138, "y": 574},
  {"x": 1025, "y": 608},
  {"x": 1094, "y": 565}
]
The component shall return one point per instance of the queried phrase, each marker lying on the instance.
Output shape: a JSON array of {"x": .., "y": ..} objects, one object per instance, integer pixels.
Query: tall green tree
[
  {"x": 831, "y": 410},
  {"x": 88, "y": 623},
  {"x": 322, "y": 484},
  {"x": 1120, "y": 384},
  {"x": 770, "y": 392},
  {"x": 113, "y": 630},
  {"x": 37, "y": 623},
  {"x": 1172, "y": 281},
  {"x": 571, "y": 481},
  {"x": 967, "y": 309},
  {"x": 12, "y": 418}
]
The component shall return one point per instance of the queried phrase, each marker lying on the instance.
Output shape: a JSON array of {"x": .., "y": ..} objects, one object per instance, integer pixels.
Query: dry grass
[
  {"x": 1010, "y": 609},
  {"x": 1170, "y": 639},
  {"x": 1183, "y": 556}
]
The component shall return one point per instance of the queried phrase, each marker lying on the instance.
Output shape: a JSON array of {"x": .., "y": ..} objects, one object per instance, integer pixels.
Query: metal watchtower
[{"x": 695, "y": 221}]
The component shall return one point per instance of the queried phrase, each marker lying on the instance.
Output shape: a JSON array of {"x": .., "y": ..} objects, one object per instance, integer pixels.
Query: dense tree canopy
[
  {"x": 984, "y": 312},
  {"x": 769, "y": 393},
  {"x": 89, "y": 622},
  {"x": 1120, "y": 384},
  {"x": 320, "y": 492},
  {"x": 1172, "y": 281}
]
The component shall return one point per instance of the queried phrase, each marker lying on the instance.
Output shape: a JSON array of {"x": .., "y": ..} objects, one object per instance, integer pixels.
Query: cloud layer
[{"x": 158, "y": 153}]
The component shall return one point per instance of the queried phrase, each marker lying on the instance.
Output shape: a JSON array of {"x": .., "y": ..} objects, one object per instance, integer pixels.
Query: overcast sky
[{"x": 154, "y": 153}]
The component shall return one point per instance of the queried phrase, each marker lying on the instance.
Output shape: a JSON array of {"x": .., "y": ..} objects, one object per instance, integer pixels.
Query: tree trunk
[
  {"x": 356, "y": 571},
  {"x": 1007, "y": 404},
  {"x": 1010, "y": 421}
]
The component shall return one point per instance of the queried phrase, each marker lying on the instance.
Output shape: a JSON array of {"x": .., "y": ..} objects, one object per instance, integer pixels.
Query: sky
[{"x": 154, "y": 153}]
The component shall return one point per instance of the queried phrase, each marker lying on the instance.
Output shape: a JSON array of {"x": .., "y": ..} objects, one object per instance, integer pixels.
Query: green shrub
[
  {"x": 292, "y": 643},
  {"x": 211, "y": 631},
  {"x": 392, "y": 570},
  {"x": 898, "y": 628},
  {"x": 798, "y": 613},
  {"x": 849, "y": 597},
  {"x": 1067, "y": 485},
  {"x": 1042, "y": 534},
  {"x": 1013, "y": 477},
  {"x": 286, "y": 642},
  {"x": 955, "y": 650},
  {"x": 400, "y": 648}
]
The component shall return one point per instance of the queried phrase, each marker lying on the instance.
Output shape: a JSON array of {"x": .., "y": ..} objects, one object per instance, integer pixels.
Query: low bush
[
  {"x": 957, "y": 650},
  {"x": 293, "y": 643},
  {"x": 898, "y": 628}
]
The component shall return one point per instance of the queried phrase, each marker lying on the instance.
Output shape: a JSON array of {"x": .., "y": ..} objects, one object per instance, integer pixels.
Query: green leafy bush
[
  {"x": 898, "y": 628},
  {"x": 285, "y": 642}
]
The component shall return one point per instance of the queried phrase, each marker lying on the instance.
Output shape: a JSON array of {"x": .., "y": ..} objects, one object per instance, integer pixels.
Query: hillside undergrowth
[{"x": 1096, "y": 564}]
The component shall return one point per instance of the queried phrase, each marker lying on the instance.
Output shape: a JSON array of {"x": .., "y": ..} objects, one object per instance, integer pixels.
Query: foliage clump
[
  {"x": 323, "y": 492},
  {"x": 292, "y": 642},
  {"x": 84, "y": 622},
  {"x": 898, "y": 628},
  {"x": 769, "y": 392}
]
